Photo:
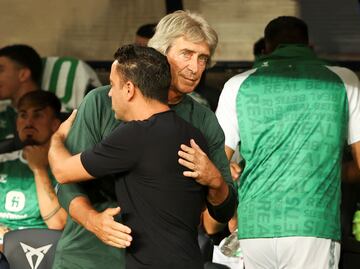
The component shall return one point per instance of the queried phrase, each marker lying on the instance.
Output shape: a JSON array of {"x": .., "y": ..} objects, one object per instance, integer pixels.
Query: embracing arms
[{"x": 67, "y": 168}]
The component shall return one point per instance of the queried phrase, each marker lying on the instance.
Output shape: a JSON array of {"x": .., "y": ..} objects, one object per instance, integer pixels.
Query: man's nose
[
  {"x": 193, "y": 64},
  {"x": 29, "y": 121}
]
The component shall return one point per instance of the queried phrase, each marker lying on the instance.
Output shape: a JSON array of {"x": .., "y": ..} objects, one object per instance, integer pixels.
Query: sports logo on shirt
[
  {"x": 3, "y": 178},
  {"x": 2, "y": 124},
  {"x": 14, "y": 201},
  {"x": 38, "y": 252}
]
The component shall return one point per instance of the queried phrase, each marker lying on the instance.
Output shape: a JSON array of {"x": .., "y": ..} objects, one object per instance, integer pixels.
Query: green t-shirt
[
  {"x": 19, "y": 206},
  {"x": 291, "y": 115},
  {"x": 78, "y": 248},
  {"x": 7, "y": 120}
]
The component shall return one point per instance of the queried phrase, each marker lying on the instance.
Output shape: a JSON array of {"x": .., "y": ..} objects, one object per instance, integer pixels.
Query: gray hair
[{"x": 183, "y": 23}]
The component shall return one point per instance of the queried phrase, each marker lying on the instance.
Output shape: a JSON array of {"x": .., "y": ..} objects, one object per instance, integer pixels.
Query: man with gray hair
[{"x": 188, "y": 42}]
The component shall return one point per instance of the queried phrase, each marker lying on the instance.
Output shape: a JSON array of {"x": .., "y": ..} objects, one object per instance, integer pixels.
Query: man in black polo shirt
[{"x": 160, "y": 205}]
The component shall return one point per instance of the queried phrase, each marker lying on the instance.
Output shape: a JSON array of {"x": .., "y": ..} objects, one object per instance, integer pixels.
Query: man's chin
[
  {"x": 186, "y": 87},
  {"x": 31, "y": 142}
]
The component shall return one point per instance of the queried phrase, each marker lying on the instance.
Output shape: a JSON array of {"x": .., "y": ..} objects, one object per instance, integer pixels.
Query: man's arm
[
  {"x": 94, "y": 121},
  {"x": 221, "y": 198},
  {"x": 211, "y": 226},
  {"x": 204, "y": 172},
  {"x": 353, "y": 93},
  {"x": 66, "y": 168},
  {"x": 53, "y": 215},
  {"x": 355, "y": 149},
  {"x": 350, "y": 172},
  {"x": 102, "y": 224}
]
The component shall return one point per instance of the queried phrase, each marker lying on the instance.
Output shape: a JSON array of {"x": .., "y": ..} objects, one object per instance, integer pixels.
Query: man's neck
[
  {"x": 148, "y": 109},
  {"x": 174, "y": 97}
]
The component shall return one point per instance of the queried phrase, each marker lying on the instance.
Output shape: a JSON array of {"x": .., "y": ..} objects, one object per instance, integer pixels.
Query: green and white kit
[
  {"x": 19, "y": 206},
  {"x": 292, "y": 113}
]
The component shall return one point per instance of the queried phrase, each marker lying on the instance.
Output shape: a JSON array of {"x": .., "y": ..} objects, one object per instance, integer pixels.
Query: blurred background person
[
  {"x": 27, "y": 188},
  {"x": 20, "y": 73}
]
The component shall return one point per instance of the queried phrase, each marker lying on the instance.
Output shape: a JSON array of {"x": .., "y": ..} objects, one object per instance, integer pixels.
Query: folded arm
[{"x": 52, "y": 213}]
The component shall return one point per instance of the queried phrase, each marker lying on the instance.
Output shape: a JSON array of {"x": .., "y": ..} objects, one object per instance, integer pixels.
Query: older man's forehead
[{"x": 183, "y": 42}]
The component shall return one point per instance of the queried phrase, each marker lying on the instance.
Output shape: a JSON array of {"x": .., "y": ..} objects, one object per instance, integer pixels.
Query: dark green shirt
[{"x": 7, "y": 120}]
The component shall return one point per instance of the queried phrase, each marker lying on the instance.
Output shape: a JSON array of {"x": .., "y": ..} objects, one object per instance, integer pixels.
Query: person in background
[
  {"x": 259, "y": 48},
  {"x": 27, "y": 188},
  {"x": 20, "y": 73},
  {"x": 188, "y": 42},
  {"x": 144, "y": 33},
  {"x": 292, "y": 114}
]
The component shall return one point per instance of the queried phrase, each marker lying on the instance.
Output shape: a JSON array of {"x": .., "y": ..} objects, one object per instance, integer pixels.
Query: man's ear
[
  {"x": 130, "y": 88},
  {"x": 24, "y": 74},
  {"x": 55, "y": 124}
]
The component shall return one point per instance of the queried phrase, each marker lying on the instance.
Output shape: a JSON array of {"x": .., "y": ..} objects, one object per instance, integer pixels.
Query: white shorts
[{"x": 290, "y": 253}]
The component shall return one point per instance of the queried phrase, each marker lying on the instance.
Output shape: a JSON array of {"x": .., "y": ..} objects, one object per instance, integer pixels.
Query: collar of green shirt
[{"x": 289, "y": 52}]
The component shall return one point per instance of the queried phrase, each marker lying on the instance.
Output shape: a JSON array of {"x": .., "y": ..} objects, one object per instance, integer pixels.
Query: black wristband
[{"x": 225, "y": 211}]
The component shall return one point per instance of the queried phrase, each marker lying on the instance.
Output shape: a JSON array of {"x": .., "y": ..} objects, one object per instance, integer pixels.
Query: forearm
[
  {"x": 82, "y": 212},
  {"x": 218, "y": 192},
  {"x": 68, "y": 192},
  {"x": 350, "y": 172},
  {"x": 211, "y": 226},
  {"x": 53, "y": 215},
  {"x": 355, "y": 149},
  {"x": 65, "y": 167},
  {"x": 223, "y": 211},
  {"x": 57, "y": 156}
]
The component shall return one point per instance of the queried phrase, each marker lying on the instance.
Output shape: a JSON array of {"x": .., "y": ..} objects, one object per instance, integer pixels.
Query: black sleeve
[
  {"x": 224, "y": 212},
  {"x": 117, "y": 153}
]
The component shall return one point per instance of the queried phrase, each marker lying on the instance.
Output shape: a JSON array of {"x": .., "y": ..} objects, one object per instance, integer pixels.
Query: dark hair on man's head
[
  {"x": 26, "y": 56},
  {"x": 146, "y": 30},
  {"x": 41, "y": 99},
  {"x": 259, "y": 47},
  {"x": 147, "y": 68},
  {"x": 286, "y": 30}
]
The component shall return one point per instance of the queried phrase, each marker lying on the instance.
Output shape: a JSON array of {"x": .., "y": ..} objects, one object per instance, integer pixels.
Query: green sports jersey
[
  {"x": 7, "y": 120},
  {"x": 69, "y": 78},
  {"x": 292, "y": 114},
  {"x": 19, "y": 206},
  {"x": 78, "y": 248}
]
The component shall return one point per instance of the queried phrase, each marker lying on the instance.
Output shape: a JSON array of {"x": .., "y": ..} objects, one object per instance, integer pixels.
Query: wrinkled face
[
  {"x": 187, "y": 61},
  {"x": 35, "y": 125},
  {"x": 9, "y": 77},
  {"x": 117, "y": 93}
]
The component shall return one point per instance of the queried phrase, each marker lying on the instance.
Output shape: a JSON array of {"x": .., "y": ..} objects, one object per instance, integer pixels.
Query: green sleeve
[
  {"x": 216, "y": 143},
  {"x": 205, "y": 120},
  {"x": 94, "y": 120}
]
